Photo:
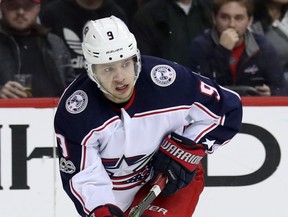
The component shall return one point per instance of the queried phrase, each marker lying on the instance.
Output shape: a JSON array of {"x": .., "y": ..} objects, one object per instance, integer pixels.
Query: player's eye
[
  {"x": 108, "y": 69},
  {"x": 126, "y": 64}
]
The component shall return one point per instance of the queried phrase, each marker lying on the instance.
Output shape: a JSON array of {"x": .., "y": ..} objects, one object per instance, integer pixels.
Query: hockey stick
[{"x": 158, "y": 186}]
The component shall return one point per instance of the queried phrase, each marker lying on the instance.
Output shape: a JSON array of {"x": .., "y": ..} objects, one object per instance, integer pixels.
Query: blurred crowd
[{"x": 241, "y": 44}]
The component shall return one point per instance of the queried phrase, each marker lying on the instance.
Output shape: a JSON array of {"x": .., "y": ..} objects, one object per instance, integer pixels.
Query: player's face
[
  {"x": 19, "y": 14},
  {"x": 117, "y": 79},
  {"x": 232, "y": 15}
]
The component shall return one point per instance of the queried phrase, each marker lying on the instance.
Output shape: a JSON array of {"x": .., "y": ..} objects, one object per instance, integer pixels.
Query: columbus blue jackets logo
[
  {"x": 163, "y": 75},
  {"x": 77, "y": 102},
  {"x": 128, "y": 172}
]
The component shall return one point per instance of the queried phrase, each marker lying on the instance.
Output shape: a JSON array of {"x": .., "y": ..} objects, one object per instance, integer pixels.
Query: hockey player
[{"x": 132, "y": 117}]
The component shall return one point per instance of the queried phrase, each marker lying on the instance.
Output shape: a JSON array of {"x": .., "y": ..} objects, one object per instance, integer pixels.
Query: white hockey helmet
[{"x": 108, "y": 40}]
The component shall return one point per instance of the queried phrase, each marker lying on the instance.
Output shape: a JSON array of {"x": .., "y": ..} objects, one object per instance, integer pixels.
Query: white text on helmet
[{"x": 113, "y": 51}]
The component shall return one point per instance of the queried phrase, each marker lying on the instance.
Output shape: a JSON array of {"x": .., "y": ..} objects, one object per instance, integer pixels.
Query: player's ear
[{"x": 251, "y": 19}]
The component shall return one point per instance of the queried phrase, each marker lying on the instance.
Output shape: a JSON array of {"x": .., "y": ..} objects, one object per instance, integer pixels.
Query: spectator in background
[
  {"x": 271, "y": 20},
  {"x": 66, "y": 18},
  {"x": 45, "y": 2},
  {"x": 233, "y": 56},
  {"x": 28, "y": 48},
  {"x": 130, "y": 7},
  {"x": 165, "y": 28}
]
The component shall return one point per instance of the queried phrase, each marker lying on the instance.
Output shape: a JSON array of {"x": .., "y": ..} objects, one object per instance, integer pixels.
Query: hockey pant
[{"x": 182, "y": 203}]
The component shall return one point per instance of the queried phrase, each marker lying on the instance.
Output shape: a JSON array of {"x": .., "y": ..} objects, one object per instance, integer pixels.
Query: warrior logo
[
  {"x": 77, "y": 102},
  {"x": 163, "y": 75}
]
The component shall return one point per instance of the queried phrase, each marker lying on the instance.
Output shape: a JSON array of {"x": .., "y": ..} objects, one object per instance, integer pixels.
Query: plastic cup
[{"x": 26, "y": 81}]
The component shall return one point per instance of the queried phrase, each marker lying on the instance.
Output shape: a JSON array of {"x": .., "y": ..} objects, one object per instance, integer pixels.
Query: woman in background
[{"x": 271, "y": 20}]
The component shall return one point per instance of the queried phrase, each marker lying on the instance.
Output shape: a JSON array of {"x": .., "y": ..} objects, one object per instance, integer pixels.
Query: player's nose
[{"x": 119, "y": 75}]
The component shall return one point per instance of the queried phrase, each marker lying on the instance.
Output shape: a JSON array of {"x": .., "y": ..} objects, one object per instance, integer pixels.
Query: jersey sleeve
[
  {"x": 83, "y": 175},
  {"x": 216, "y": 114}
]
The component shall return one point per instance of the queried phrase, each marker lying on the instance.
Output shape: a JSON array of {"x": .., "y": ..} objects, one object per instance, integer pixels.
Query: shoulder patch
[
  {"x": 77, "y": 102},
  {"x": 163, "y": 75}
]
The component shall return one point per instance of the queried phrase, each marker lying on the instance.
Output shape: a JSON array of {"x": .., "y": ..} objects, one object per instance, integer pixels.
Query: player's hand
[
  {"x": 229, "y": 38},
  {"x": 263, "y": 90},
  {"x": 107, "y": 210},
  {"x": 177, "y": 158},
  {"x": 13, "y": 89}
]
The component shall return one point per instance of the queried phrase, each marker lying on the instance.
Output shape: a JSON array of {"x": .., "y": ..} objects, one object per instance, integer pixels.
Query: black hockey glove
[
  {"x": 178, "y": 158},
  {"x": 107, "y": 210}
]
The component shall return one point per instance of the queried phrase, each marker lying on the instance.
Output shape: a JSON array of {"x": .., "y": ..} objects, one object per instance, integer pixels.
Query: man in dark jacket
[
  {"x": 28, "y": 48},
  {"x": 233, "y": 56},
  {"x": 70, "y": 26},
  {"x": 165, "y": 28}
]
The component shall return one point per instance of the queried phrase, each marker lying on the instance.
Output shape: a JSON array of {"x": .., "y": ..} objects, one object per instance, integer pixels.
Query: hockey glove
[
  {"x": 107, "y": 210},
  {"x": 178, "y": 158}
]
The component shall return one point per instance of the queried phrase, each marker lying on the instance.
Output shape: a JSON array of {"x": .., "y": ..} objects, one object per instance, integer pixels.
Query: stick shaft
[{"x": 158, "y": 186}]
